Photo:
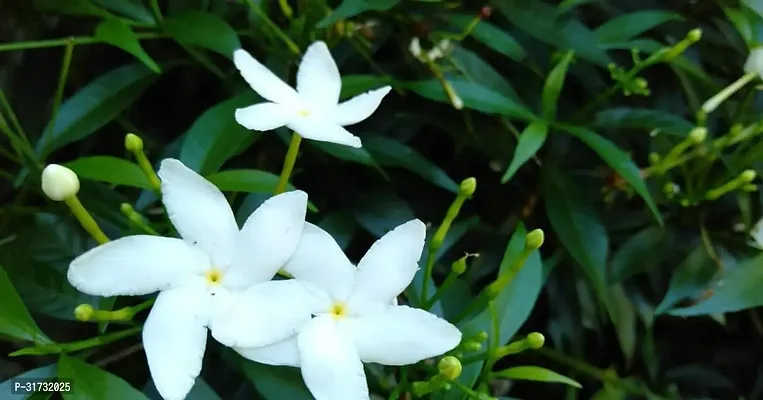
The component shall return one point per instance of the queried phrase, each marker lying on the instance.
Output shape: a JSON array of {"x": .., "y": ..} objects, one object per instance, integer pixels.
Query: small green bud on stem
[
  {"x": 84, "y": 312},
  {"x": 134, "y": 144},
  {"x": 449, "y": 367},
  {"x": 534, "y": 341},
  {"x": 740, "y": 182}
]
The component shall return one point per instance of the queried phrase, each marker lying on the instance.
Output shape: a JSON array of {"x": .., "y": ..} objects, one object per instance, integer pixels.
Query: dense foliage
[{"x": 584, "y": 118}]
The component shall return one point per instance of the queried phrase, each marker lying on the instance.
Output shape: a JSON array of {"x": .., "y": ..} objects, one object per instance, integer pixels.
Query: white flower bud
[
  {"x": 415, "y": 47},
  {"x": 754, "y": 63},
  {"x": 59, "y": 182}
]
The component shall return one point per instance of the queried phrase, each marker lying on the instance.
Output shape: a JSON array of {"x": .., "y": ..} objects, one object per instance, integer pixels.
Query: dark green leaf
[
  {"x": 89, "y": 382},
  {"x": 112, "y": 170},
  {"x": 689, "y": 279},
  {"x": 382, "y": 212},
  {"x": 640, "y": 253},
  {"x": 215, "y": 136},
  {"x": 204, "y": 30},
  {"x": 351, "y": 8},
  {"x": 628, "y": 26},
  {"x": 475, "y": 69},
  {"x": 353, "y": 85},
  {"x": 392, "y": 153},
  {"x": 552, "y": 88},
  {"x": 15, "y": 320},
  {"x": 133, "y": 9},
  {"x": 351, "y": 154},
  {"x": 276, "y": 383},
  {"x": 641, "y": 118},
  {"x": 118, "y": 34},
  {"x": 538, "y": 374},
  {"x": 474, "y": 96},
  {"x": 738, "y": 289},
  {"x": 47, "y": 372},
  {"x": 95, "y": 105},
  {"x": 489, "y": 35},
  {"x": 341, "y": 226},
  {"x": 530, "y": 141},
  {"x": 619, "y": 161},
  {"x": 249, "y": 181}
]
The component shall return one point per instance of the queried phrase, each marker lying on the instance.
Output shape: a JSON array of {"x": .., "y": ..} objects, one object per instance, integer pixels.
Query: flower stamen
[
  {"x": 303, "y": 113},
  {"x": 338, "y": 310},
  {"x": 214, "y": 276}
]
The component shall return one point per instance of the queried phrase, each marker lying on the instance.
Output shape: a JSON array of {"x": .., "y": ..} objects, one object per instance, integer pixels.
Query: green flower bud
[
  {"x": 449, "y": 367},
  {"x": 84, "y": 312},
  {"x": 535, "y": 340},
  {"x": 133, "y": 142},
  {"x": 481, "y": 336},
  {"x": 472, "y": 346},
  {"x": 750, "y": 187},
  {"x": 468, "y": 186},
  {"x": 126, "y": 209},
  {"x": 694, "y": 35},
  {"x": 748, "y": 176},
  {"x": 534, "y": 239},
  {"x": 698, "y": 135}
]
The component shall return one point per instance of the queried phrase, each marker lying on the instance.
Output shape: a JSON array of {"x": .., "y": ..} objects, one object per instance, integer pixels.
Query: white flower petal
[
  {"x": 331, "y": 367},
  {"x": 401, "y": 335},
  {"x": 390, "y": 264},
  {"x": 323, "y": 131},
  {"x": 263, "y": 81},
  {"x": 268, "y": 239},
  {"x": 284, "y": 353},
  {"x": 199, "y": 211},
  {"x": 266, "y": 313},
  {"x": 321, "y": 262},
  {"x": 318, "y": 79},
  {"x": 136, "y": 265},
  {"x": 175, "y": 337},
  {"x": 359, "y": 107},
  {"x": 263, "y": 116}
]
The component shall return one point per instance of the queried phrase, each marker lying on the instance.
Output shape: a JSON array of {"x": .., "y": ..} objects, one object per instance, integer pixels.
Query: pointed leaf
[
  {"x": 351, "y": 8},
  {"x": 553, "y": 86},
  {"x": 530, "y": 141},
  {"x": 538, "y": 374},
  {"x": 249, "y": 181},
  {"x": 107, "y": 169},
  {"x": 627, "y": 26},
  {"x": 642, "y": 118},
  {"x": 89, "y": 382},
  {"x": 204, "y": 30},
  {"x": 15, "y": 320},
  {"x": 489, "y": 35},
  {"x": 474, "y": 96},
  {"x": 118, "y": 34}
]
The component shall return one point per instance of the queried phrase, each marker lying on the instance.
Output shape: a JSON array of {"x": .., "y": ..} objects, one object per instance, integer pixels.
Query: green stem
[
  {"x": 449, "y": 281},
  {"x": 77, "y": 346},
  {"x": 395, "y": 395},
  {"x": 713, "y": 103},
  {"x": 470, "y": 393},
  {"x": 288, "y": 162},
  {"x": 157, "y": 11},
  {"x": 86, "y": 220},
  {"x": 148, "y": 169},
  {"x": 62, "y": 76},
  {"x": 40, "y": 44}
]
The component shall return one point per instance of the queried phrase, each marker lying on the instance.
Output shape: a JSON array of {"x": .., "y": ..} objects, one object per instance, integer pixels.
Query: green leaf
[
  {"x": 204, "y": 30},
  {"x": 351, "y": 154},
  {"x": 47, "y": 372},
  {"x": 392, "y": 153},
  {"x": 15, "y": 320},
  {"x": 112, "y": 170},
  {"x": 118, "y": 34},
  {"x": 89, "y": 382},
  {"x": 642, "y": 118},
  {"x": 640, "y": 253},
  {"x": 133, "y": 9},
  {"x": 755, "y": 5},
  {"x": 215, "y": 136},
  {"x": 530, "y": 141},
  {"x": 381, "y": 212},
  {"x": 475, "y": 69},
  {"x": 353, "y": 85},
  {"x": 627, "y": 26},
  {"x": 537, "y": 374},
  {"x": 489, "y": 35},
  {"x": 95, "y": 105},
  {"x": 351, "y": 8},
  {"x": 739, "y": 289},
  {"x": 553, "y": 87},
  {"x": 618, "y": 160},
  {"x": 276, "y": 383},
  {"x": 249, "y": 181},
  {"x": 689, "y": 279},
  {"x": 341, "y": 226},
  {"x": 474, "y": 96}
]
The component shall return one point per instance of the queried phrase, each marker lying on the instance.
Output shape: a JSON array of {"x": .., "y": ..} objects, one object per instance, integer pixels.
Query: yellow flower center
[
  {"x": 338, "y": 310},
  {"x": 303, "y": 113},
  {"x": 214, "y": 276}
]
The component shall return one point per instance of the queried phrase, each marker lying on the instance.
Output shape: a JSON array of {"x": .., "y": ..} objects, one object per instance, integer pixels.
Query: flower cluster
[{"x": 328, "y": 319}]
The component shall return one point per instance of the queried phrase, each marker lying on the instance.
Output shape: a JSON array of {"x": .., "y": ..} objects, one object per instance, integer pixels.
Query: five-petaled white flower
[
  {"x": 354, "y": 320},
  {"x": 313, "y": 110},
  {"x": 199, "y": 275}
]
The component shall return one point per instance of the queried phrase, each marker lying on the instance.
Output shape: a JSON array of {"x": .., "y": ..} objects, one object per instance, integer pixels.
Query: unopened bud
[
  {"x": 84, "y": 312},
  {"x": 481, "y": 336},
  {"x": 698, "y": 135},
  {"x": 472, "y": 346},
  {"x": 750, "y": 187},
  {"x": 748, "y": 176},
  {"x": 133, "y": 142},
  {"x": 654, "y": 158},
  {"x": 535, "y": 340},
  {"x": 694, "y": 35},
  {"x": 468, "y": 186},
  {"x": 59, "y": 182},
  {"x": 126, "y": 209},
  {"x": 534, "y": 239},
  {"x": 415, "y": 47},
  {"x": 641, "y": 83},
  {"x": 449, "y": 367}
]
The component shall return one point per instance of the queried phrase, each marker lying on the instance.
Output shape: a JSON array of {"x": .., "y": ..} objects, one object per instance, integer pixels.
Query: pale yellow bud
[{"x": 59, "y": 182}]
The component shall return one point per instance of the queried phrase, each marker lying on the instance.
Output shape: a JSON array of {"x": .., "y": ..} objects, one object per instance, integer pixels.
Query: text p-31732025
[{"x": 36, "y": 385}]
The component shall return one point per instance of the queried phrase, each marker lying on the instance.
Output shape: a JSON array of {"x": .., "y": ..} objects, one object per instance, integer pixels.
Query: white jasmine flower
[
  {"x": 199, "y": 276},
  {"x": 59, "y": 182},
  {"x": 313, "y": 110},
  {"x": 355, "y": 321}
]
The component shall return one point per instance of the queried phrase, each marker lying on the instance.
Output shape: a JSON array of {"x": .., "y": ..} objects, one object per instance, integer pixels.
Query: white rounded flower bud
[
  {"x": 59, "y": 182},
  {"x": 754, "y": 63}
]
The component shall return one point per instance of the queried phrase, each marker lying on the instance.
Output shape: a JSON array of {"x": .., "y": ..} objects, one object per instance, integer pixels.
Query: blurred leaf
[
  {"x": 628, "y": 26},
  {"x": 215, "y": 136},
  {"x": 544, "y": 22},
  {"x": 530, "y": 141},
  {"x": 276, "y": 383},
  {"x": 474, "y": 96},
  {"x": 619, "y": 161},
  {"x": 15, "y": 320},
  {"x": 640, "y": 118},
  {"x": 538, "y": 374},
  {"x": 112, "y": 170},
  {"x": 351, "y": 8},
  {"x": 204, "y": 30},
  {"x": 475, "y": 69},
  {"x": 392, "y": 153},
  {"x": 553, "y": 86},
  {"x": 739, "y": 289},
  {"x": 489, "y": 35},
  {"x": 381, "y": 212},
  {"x": 95, "y": 105},
  {"x": 133, "y": 9},
  {"x": 689, "y": 279},
  {"x": 623, "y": 316},
  {"x": 641, "y": 252},
  {"x": 353, "y": 85},
  {"x": 341, "y": 226},
  {"x": 118, "y": 34},
  {"x": 72, "y": 7},
  {"x": 755, "y": 5},
  {"x": 89, "y": 382}
]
